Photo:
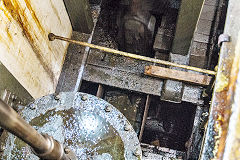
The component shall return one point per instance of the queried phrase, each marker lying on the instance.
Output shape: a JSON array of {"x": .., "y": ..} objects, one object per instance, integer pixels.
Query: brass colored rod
[
  {"x": 12, "y": 122},
  {"x": 44, "y": 146},
  {"x": 52, "y": 37}
]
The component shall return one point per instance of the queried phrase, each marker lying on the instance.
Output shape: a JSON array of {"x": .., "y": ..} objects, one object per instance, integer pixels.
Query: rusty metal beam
[
  {"x": 222, "y": 139},
  {"x": 167, "y": 73}
]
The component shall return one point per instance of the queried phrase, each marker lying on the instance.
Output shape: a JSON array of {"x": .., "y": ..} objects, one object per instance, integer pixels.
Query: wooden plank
[
  {"x": 118, "y": 78},
  {"x": 24, "y": 46},
  {"x": 147, "y": 105},
  {"x": 166, "y": 73},
  {"x": 80, "y": 15}
]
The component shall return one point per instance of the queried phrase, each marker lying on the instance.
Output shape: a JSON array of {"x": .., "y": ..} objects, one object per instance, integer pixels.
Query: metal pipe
[
  {"x": 52, "y": 37},
  {"x": 43, "y": 146}
]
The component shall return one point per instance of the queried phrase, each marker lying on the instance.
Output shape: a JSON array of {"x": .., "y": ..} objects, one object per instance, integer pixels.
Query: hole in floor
[{"x": 169, "y": 124}]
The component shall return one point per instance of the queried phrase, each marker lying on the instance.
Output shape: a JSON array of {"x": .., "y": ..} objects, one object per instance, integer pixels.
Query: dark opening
[{"x": 169, "y": 124}]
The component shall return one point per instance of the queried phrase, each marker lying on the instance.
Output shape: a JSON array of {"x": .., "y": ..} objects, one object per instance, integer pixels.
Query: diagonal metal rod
[{"x": 52, "y": 37}]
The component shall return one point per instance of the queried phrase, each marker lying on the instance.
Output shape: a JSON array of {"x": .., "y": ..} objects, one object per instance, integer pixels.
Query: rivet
[
  {"x": 127, "y": 127},
  {"x": 108, "y": 108},
  {"x": 205, "y": 114},
  {"x": 84, "y": 98},
  {"x": 67, "y": 150},
  {"x": 32, "y": 107},
  {"x": 57, "y": 97},
  {"x": 2, "y": 148},
  {"x": 137, "y": 152}
]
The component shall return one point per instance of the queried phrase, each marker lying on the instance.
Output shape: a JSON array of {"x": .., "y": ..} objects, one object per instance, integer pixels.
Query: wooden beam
[
  {"x": 80, "y": 15},
  {"x": 166, "y": 73},
  {"x": 25, "y": 50},
  {"x": 147, "y": 105},
  {"x": 100, "y": 91}
]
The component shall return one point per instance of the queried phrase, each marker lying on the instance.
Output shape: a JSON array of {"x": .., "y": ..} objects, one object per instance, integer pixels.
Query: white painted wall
[{"x": 24, "y": 46}]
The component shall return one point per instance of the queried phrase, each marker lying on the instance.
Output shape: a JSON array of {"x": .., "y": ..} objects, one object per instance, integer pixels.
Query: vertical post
[
  {"x": 100, "y": 91},
  {"x": 186, "y": 23},
  {"x": 80, "y": 15},
  {"x": 147, "y": 104}
]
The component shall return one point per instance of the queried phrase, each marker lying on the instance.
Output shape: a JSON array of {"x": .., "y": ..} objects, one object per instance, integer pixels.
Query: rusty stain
[
  {"x": 223, "y": 83},
  {"x": 17, "y": 13},
  {"x": 223, "y": 118},
  {"x": 223, "y": 101},
  {"x": 7, "y": 31},
  {"x": 222, "y": 110},
  {"x": 34, "y": 16}
]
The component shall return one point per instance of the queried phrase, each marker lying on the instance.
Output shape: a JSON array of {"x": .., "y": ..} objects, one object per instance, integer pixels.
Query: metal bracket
[{"x": 223, "y": 38}]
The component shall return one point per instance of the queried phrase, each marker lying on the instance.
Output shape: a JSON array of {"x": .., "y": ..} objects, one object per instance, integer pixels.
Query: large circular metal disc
[{"x": 90, "y": 126}]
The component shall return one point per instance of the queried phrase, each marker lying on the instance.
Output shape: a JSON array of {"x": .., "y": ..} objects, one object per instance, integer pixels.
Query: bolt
[
  {"x": 51, "y": 36},
  {"x": 205, "y": 114},
  {"x": 67, "y": 150},
  {"x": 145, "y": 154},
  {"x": 108, "y": 108},
  {"x": 84, "y": 97},
  {"x": 32, "y": 107},
  {"x": 57, "y": 97},
  {"x": 2, "y": 148},
  {"x": 137, "y": 152},
  {"x": 127, "y": 127}
]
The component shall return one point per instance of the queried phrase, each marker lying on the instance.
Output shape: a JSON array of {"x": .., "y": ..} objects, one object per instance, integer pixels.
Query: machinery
[
  {"x": 155, "y": 79},
  {"x": 84, "y": 126}
]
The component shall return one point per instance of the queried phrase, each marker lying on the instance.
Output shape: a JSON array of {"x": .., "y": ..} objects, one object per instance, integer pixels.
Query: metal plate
[
  {"x": 90, "y": 126},
  {"x": 222, "y": 137}
]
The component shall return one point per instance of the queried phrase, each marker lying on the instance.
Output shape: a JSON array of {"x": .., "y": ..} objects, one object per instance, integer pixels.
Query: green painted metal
[
  {"x": 186, "y": 24},
  {"x": 80, "y": 15}
]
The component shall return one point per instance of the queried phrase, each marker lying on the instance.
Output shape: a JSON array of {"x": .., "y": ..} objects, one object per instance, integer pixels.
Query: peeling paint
[{"x": 223, "y": 83}]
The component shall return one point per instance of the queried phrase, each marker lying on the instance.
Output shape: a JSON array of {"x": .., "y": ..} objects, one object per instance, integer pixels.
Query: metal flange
[{"x": 82, "y": 124}]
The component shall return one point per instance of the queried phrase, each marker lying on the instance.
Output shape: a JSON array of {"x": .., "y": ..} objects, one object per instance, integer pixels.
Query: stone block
[
  {"x": 208, "y": 12},
  {"x": 211, "y": 2},
  {"x": 204, "y": 27},
  {"x": 198, "y": 37},
  {"x": 163, "y": 40},
  {"x": 198, "y": 54}
]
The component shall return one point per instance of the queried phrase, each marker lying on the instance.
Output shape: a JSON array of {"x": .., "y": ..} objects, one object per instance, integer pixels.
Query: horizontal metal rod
[
  {"x": 43, "y": 146},
  {"x": 52, "y": 37}
]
